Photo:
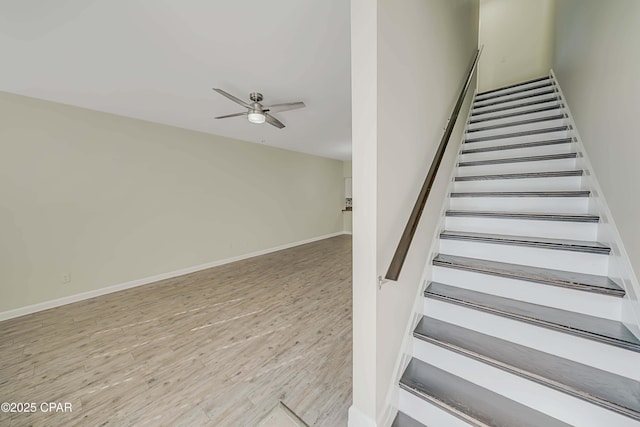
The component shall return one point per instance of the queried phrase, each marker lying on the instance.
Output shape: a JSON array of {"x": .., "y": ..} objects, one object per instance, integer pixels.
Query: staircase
[{"x": 521, "y": 325}]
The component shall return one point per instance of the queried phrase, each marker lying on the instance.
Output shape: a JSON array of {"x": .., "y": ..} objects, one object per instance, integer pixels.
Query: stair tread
[
  {"x": 571, "y": 193},
  {"x": 525, "y": 215},
  {"x": 487, "y": 102},
  {"x": 516, "y": 113},
  {"x": 517, "y": 134},
  {"x": 404, "y": 420},
  {"x": 511, "y": 107},
  {"x": 517, "y": 146},
  {"x": 537, "y": 79},
  {"x": 469, "y": 401},
  {"x": 594, "y": 328},
  {"x": 522, "y": 175},
  {"x": 608, "y": 390},
  {"x": 486, "y": 97},
  {"x": 540, "y": 158},
  {"x": 539, "y": 242},
  {"x": 547, "y": 276}
]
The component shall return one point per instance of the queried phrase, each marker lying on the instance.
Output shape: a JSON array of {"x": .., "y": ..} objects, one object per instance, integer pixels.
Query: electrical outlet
[{"x": 66, "y": 278}]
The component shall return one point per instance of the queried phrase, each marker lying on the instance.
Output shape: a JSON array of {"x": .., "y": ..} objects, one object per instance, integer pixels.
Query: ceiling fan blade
[
  {"x": 233, "y": 98},
  {"x": 276, "y": 108},
  {"x": 232, "y": 115},
  {"x": 273, "y": 121}
]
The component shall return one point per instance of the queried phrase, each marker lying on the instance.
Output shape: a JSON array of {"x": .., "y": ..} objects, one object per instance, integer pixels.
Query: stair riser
[
  {"x": 425, "y": 412},
  {"x": 519, "y": 128},
  {"x": 509, "y": 94},
  {"x": 518, "y": 167},
  {"x": 532, "y": 88},
  {"x": 521, "y": 96},
  {"x": 497, "y": 146},
  {"x": 516, "y": 152},
  {"x": 507, "y": 120},
  {"x": 525, "y": 184},
  {"x": 569, "y": 299},
  {"x": 514, "y": 113},
  {"x": 525, "y": 109},
  {"x": 522, "y": 204},
  {"x": 505, "y": 92},
  {"x": 544, "y": 399},
  {"x": 519, "y": 227},
  {"x": 581, "y": 350},
  {"x": 537, "y": 257},
  {"x": 517, "y": 96},
  {"x": 497, "y": 140},
  {"x": 513, "y": 104}
]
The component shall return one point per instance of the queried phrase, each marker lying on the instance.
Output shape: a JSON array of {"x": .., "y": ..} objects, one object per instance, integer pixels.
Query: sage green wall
[
  {"x": 107, "y": 199},
  {"x": 518, "y": 41}
]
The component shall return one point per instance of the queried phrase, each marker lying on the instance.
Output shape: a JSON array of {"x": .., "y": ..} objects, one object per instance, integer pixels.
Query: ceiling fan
[{"x": 258, "y": 113}]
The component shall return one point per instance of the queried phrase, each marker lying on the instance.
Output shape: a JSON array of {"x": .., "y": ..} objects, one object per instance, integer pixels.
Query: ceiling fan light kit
[
  {"x": 258, "y": 113},
  {"x": 256, "y": 117}
]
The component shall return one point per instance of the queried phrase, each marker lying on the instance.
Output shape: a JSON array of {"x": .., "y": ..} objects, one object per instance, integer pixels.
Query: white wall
[
  {"x": 409, "y": 60},
  {"x": 597, "y": 62},
  {"x": 518, "y": 41},
  {"x": 107, "y": 199}
]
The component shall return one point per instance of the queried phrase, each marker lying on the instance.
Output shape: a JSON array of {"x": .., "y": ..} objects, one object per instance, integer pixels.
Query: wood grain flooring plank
[{"x": 217, "y": 347}]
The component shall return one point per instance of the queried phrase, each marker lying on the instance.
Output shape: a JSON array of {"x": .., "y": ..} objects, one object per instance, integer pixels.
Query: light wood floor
[{"x": 218, "y": 347}]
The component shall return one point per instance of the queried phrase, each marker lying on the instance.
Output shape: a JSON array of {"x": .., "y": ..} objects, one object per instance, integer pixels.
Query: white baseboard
[
  {"x": 358, "y": 419},
  {"x": 17, "y": 312}
]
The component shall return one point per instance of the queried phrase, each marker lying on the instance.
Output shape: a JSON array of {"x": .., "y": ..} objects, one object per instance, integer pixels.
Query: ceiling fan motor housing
[{"x": 255, "y": 96}]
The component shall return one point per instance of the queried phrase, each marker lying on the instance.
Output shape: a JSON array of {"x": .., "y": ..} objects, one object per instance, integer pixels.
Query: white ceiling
[{"x": 157, "y": 60}]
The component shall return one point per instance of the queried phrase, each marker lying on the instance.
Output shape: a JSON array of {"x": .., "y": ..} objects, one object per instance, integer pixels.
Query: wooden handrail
[{"x": 412, "y": 224}]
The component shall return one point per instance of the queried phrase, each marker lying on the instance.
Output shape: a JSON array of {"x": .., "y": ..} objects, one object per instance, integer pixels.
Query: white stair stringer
[{"x": 515, "y": 263}]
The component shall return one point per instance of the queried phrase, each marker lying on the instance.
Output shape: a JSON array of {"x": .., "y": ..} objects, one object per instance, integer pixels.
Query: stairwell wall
[
  {"x": 405, "y": 80},
  {"x": 597, "y": 63},
  {"x": 518, "y": 41}
]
